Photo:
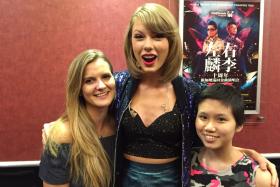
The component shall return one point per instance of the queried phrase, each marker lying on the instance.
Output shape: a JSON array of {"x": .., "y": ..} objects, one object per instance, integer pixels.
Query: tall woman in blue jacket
[{"x": 155, "y": 106}]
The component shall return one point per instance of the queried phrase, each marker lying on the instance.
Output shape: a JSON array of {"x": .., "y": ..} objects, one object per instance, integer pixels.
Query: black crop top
[{"x": 162, "y": 139}]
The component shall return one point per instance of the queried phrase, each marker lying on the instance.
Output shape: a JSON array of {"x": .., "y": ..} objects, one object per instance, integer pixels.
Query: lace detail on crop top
[{"x": 162, "y": 139}]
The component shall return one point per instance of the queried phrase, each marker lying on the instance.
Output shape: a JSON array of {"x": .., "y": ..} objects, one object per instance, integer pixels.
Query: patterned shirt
[
  {"x": 233, "y": 44},
  {"x": 213, "y": 46},
  {"x": 241, "y": 174}
]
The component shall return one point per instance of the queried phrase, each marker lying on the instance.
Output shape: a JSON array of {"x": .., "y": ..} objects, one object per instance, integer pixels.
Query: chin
[
  {"x": 103, "y": 104},
  {"x": 150, "y": 70},
  {"x": 210, "y": 145}
]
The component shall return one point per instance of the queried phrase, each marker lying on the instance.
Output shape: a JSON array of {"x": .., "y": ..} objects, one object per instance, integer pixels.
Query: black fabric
[
  {"x": 55, "y": 170},
  {"x": 108, "y": 144},
  {"x": 20, "y": 176},
  {"x": 181, "y": 96},
  {"x": 161, "y": 139},
  {"x": 186, "y": 92}
]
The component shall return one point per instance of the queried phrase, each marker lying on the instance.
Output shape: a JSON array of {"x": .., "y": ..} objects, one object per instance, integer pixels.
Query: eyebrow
[
  {"x": 90, "y": 76},
  {"x": 136, "y": 30}
]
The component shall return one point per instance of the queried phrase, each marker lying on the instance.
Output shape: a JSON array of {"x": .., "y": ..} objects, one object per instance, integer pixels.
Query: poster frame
[{"x": 256, "y": 110}]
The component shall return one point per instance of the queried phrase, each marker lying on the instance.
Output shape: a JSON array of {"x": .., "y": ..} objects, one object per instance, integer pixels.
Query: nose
[
  {"x": 148, "y": 45},
  {"x": 100, "y": 84},
  {"x": 210, "y": 126}
]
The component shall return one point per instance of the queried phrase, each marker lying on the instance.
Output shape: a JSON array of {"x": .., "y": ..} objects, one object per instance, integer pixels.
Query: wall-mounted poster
[{"x": 222, "y": 43}]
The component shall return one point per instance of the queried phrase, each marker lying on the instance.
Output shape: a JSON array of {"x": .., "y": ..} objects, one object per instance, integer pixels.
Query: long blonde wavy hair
[{"x": 88, "y": 160}]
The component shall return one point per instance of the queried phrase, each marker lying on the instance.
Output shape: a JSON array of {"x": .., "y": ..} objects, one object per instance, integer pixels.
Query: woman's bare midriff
[{"x": 149, "y": 160}]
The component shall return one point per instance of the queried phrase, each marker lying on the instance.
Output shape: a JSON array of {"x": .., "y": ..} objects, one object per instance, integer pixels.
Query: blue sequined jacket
[{"x": 186, "y": 93}]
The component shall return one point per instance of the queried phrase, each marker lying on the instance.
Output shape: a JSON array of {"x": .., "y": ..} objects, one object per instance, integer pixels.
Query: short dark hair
[
  {"x": 231, "y": 23},
  {"x": 213, "y": 23},
  {"x": 229, "y": 96}
]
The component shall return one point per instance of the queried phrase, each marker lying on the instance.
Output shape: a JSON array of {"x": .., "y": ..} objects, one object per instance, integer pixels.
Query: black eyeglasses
[{"x": 211, "y": 29}]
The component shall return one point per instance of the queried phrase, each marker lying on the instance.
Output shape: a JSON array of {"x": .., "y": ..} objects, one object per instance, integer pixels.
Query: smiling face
[
  {"x": 150, "y": 49},
  {"x": 98, "y": 86},
  {"x": 215, "y": 124}
]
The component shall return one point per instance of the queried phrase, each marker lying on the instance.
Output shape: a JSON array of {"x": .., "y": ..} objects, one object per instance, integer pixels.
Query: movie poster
[{"x": 221, "y": 41}]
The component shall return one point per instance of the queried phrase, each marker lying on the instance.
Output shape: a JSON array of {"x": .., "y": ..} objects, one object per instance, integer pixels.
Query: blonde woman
[{"x": 79, "y": 146}]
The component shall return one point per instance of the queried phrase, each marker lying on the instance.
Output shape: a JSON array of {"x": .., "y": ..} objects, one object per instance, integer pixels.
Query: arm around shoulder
[
  {"x": 263, "y": 178},
  {"x": 54, "y": 167},
  {"x": 50, "y": 185},
  {"x": 58, "y": 132}
]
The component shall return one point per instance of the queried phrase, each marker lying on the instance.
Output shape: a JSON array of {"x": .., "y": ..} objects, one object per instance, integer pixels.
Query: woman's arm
[
  {"x": 262, "y": 178},
  {"x": 45, "y": 133},
  {"x": 54, "y": 168},
  {"x": 50, "y": 185},
  {"x": 264, "y": 163}
]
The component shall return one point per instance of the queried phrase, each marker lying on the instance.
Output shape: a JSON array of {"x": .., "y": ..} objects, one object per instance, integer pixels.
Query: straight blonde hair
[{"x": 158, "y": 20}]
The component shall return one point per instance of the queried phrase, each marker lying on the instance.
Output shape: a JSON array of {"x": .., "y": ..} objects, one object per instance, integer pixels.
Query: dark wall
[{"x": 38, "y": 39}]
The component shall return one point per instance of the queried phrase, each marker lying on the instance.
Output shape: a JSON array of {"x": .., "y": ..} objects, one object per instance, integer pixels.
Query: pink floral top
[{"x": 242, "y": 173}]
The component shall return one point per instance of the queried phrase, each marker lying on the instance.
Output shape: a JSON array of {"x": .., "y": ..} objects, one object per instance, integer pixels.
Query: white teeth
[
  {"x": 150, "y": 57},
  {"x": 101, "y": 94},
  {"x": 210, "y": 138}
]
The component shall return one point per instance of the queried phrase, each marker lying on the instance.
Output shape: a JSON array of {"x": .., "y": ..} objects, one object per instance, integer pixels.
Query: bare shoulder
[
  {"x": 263, "y": 178},
  {"x": 59, "y": 132}
]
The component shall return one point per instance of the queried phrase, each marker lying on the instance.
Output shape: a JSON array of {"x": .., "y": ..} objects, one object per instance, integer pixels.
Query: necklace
[
  {"x": 107, "y": 128},
  {"x": 165, "y": 106},
  {"x": 101, "y": 131},
  {"x": 132, "y": 112},
  {"x": 100, "y": 136}
]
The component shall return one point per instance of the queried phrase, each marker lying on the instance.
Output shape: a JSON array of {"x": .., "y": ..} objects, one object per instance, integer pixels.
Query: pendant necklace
[{"x": 165, "y": 106}]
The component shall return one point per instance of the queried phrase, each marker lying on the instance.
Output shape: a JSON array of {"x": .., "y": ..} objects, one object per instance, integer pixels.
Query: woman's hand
[
  {"x": 264, "y": 164},
  {"x": 45, "y": 133},
  {"x": 272, "y": 169}
]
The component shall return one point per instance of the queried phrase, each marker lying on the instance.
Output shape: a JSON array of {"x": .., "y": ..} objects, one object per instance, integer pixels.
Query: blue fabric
[
  {"x": 151, "y": 175},
  {"x": 186, "y": 92}
]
